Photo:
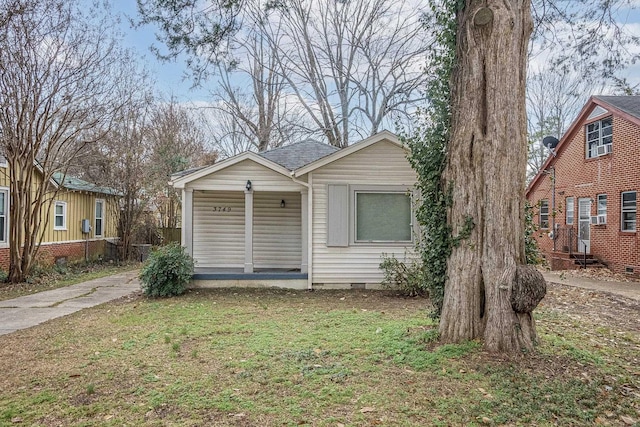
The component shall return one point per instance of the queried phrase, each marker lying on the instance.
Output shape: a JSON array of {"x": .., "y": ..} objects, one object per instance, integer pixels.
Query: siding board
[
  {"x": 382, "y": 163},
  {"x": 218, "y": 236},
  {"x": 277, "y": 232}
]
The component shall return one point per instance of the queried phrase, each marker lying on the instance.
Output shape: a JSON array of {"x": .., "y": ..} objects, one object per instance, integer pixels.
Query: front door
[{"x": 584, "y": 224}]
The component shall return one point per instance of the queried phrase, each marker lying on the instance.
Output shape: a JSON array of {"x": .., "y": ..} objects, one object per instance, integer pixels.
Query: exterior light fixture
[
  {"x": 282, "y": 204},
  {"x": 248, "y": 185}
]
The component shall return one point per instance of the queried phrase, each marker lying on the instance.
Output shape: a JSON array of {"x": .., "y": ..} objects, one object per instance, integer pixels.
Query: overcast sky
[{"x": 170, "y": 79}]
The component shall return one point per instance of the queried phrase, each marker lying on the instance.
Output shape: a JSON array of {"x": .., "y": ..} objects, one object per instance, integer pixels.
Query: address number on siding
[{"x": 222, "y": 208}]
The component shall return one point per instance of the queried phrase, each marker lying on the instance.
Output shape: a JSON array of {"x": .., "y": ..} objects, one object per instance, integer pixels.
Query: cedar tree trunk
[{"x": 485, "y": 169}]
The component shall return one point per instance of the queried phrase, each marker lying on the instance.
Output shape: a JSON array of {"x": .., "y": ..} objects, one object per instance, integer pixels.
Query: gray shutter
[{"x": 338, "y": 215}]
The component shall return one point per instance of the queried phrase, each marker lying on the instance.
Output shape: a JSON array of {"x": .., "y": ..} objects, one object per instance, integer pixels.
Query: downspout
[{"x": 309, "y": 186}]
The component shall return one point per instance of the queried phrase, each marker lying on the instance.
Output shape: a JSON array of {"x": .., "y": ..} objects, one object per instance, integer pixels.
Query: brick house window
[
  {"x": 4, "y": 215},
  {"x": 570, "y": 207},
  {"x": 628, "y": 211},
  {"x": 599, "y": 138},
  {"x": 544, "y": 213},
  {"x": 602, "y": 208},
  {"x": 60, "y": 216}
]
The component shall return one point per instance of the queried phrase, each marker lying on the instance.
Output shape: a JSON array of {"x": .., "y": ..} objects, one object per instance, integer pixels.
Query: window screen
[{"x": 383, "y": 217}]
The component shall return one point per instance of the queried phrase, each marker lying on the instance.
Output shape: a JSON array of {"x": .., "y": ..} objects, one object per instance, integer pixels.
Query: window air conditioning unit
[
  {"x": 602, "y": 219},
  {"x": 594, "y": 220},
  {"x": 601, "y": 150},
  {"x": 609, "y": 148}
]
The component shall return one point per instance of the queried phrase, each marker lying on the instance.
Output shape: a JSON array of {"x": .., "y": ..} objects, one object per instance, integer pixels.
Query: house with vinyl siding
[
  {"x": 307, "y": 215},
  {"x": 63, "y": 237},
  {"x": 587, "y": 190}
]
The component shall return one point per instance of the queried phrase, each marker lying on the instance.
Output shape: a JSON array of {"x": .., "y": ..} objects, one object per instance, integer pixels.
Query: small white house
[{"x": 307, "y": 215}]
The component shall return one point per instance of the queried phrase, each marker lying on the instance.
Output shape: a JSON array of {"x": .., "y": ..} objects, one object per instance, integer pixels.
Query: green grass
[{"x": 271, "y": 357}]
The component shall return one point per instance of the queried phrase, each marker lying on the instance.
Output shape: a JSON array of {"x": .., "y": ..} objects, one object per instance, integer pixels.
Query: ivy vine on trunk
[{"x": 471, "y": 162}]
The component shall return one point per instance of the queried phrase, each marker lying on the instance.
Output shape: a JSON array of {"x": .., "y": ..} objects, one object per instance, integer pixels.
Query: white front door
[{"x": 584, "y": 225}]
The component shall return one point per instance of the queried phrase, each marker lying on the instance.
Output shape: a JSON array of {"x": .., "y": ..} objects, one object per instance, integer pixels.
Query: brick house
[{"x": 586, "y": 193}]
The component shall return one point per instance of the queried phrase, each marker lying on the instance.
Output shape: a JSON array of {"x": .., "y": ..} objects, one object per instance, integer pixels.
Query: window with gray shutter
[{"x": 338, "y": 215}]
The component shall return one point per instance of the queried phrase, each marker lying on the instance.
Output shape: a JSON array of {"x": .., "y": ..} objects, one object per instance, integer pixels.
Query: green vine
[{"x": 428, "y": 153}]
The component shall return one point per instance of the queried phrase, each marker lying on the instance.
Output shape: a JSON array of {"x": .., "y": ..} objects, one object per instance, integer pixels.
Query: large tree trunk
[{"x": 486, "y": 168}]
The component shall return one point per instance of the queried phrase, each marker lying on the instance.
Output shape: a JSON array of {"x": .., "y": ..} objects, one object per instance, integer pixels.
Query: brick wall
[
  {"x": 579, "y": 177},
  {"x": 48, "y": 254}
]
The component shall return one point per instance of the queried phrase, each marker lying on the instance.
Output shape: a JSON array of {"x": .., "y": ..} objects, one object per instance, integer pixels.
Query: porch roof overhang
[{"x": 183, "y": 181}]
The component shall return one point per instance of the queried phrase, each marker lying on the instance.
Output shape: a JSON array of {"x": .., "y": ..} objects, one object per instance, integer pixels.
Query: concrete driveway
[{"x": 30, "y": 310}]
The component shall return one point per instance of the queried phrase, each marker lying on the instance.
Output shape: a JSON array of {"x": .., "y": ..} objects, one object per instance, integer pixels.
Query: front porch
[{"x": 207, "y": 277}]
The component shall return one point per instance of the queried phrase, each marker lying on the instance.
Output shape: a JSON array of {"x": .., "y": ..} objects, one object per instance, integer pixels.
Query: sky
[{"x": 170, "y": 76}]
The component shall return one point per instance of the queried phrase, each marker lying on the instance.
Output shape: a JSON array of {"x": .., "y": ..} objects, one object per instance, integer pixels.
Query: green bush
[
  {"x": 408, "y": 278},
  {"x": 167, "y": 271}
]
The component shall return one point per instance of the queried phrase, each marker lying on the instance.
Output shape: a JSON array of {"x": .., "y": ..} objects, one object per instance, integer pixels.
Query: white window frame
[
  {"x": 570, "y": 209},
  {"x": 4, "y": 239},
  {"x": 380, "y": 189},
  {"x": 627, "y": 210},
  {"x": 64, "y": 215},
  {"x": 3, "y": 162},
  {"x": 596, "y": 138},
  {"x": 543, "y": 202},
  {"x": 95, "y": 218},
  {"x": 601, "y": 208}
]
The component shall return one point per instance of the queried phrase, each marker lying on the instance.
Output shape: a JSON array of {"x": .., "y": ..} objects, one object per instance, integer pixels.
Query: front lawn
[{"x": 326, "y": 358}]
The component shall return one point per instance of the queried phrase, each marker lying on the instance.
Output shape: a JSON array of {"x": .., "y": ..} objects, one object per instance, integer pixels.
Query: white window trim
[
  {"x": 64, "y": 215},
  {"x": 598, "y": 198},
  {"x": 540, "y": 214},
  {"x": 3, "y": 162},
  {"x": 623, "y": 211},
  {"x": 599, "y": 141},
  {"x": 4, "y": 240},
  {"x": 95, "y": 217},
  {"x": 570, "y": 213},
  {"x": 385, "y": 189}
]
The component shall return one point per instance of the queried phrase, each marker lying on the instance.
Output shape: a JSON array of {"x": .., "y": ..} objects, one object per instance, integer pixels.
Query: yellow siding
[
  {"x": 80, "y": 205},
  {"x": 382, "y": 163}
]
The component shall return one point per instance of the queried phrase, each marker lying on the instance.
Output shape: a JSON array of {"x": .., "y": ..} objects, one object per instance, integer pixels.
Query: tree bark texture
[{"x": 485, "y": 169}]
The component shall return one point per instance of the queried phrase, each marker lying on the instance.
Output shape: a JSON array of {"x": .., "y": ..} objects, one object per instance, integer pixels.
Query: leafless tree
[
  {"x": 354, "y": 66},
  {"x": 176, "y": 141},
  {"x": 56, "y": 86},
  {"x": 252, "y": 94},
  {"x": 554, "y": 99}
]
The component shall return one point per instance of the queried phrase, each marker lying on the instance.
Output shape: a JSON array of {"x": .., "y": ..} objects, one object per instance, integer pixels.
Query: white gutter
[{"x": 309, "y": 186}]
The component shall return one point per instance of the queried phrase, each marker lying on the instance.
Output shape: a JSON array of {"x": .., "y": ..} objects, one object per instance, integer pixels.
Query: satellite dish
[{"x": 550, "y": 142}]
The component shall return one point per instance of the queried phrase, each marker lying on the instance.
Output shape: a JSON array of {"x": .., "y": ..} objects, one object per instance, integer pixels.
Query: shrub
[
  {"x": 409, "y": 278},
  {"x": 167, "y": 271}
]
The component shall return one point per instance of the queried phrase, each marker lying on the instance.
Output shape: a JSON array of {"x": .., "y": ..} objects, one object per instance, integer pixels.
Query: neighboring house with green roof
[{"x": 75, "y": 201}]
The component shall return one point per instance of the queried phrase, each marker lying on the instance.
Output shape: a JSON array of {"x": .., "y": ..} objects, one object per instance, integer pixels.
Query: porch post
[
  {"x": 187, "y": 220},
  {"x": 248, "y": 231},
  {"x": 304, "y": 267}
]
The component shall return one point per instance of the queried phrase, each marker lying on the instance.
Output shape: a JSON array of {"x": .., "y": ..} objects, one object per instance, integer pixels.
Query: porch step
[{"x": 588, "y": 261}]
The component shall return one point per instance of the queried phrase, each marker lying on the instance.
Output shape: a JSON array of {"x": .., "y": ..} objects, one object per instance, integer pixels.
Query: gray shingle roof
[
  {"x": 628, "y": 104},
  {"x": 300, "y": 154}
]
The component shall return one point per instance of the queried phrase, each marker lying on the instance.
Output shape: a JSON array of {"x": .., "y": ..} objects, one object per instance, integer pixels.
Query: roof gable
[
  {"x": 181, "y": 181},
  {"x": 627, "y": 107},
  {"x": 380, "y": 136}
]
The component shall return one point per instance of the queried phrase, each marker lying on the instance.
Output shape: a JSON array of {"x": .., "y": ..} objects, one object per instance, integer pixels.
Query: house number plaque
[{"x": 222, "y": 208}]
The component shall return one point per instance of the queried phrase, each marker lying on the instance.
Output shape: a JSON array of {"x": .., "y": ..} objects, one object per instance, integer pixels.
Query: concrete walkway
[
  {"x": 625, "y": 289},
  {"x": 31, "y": 310}
]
